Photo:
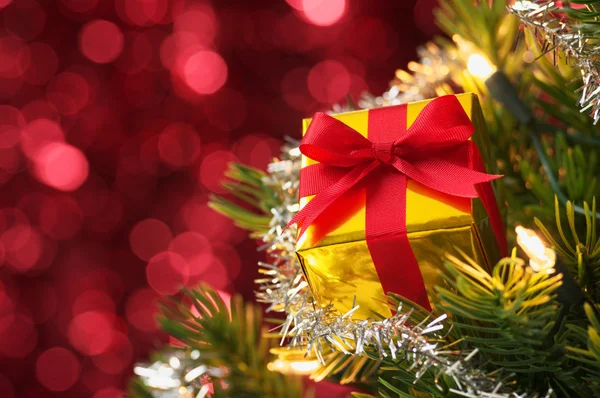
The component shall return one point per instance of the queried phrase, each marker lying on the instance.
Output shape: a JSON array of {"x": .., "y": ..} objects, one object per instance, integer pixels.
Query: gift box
[{"x": 393, "y": 190}]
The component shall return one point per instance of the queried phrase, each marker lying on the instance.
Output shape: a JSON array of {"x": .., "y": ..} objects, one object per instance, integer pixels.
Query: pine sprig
[
  {"x": 508, "y": 315},
  {"x": 232, "y": 339},
  {"x": 580, "y": 251},
  {"x": 251, "y": 211}
]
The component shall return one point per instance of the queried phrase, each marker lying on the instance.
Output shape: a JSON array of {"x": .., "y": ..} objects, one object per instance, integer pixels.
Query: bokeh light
[
  {"x": 11, "y": 123},
  {"x": 109, "y": 392},
  {"x": 198, "y": 217},
  {"x": 40, "y": 109},
  {"x": 196, "y": 26},
  {"x": 212, "y": 168},
  {"x": 20, "y": 338},
  {"x": 142, "y": 12},
  {"x": 205, "y": 72},
  {"x": 60, "y": 217},
  {"x": 68, "y": 92},
  {"x": 42, "y": 66},
  {"x": 195, "y": 249},
  {"x": 118, "y": 119},
  {"x": 39, "y": 133},
  {"x": 80, "y": 6},
  {"x": 117, "y": 358},
  {"x": 227, "y": 109},
  {"x": 15, "y": 55},
  {"x": 41, "y": 300},
  {"x": 294, "y": 89},
  {"x": 216, "y": 275},
  {"x": 25, "y": 18},
  {"x": 329, "y": 81},
  {"x": 57, "y": 369},
  {"x": 101, "y": 41},
  {"x": 93, "y": 301},
  {"x": 24, "y": 255},
  {"x": 7, "y": 309},
  {"x": 137, "y": 53},
  {"x": 149, "y": 237},
  {"x": 323, "y": 12},
  {"x": 61, "y": 166},
  {"x": 167, "y": 272},
  {"x": 141, "y": 310},
  {"x": 297, "y": 4},
  {"x": 7, "y": 388},
  {"x": 91, "y": 332},
  {"x": 179, "y": 145}
]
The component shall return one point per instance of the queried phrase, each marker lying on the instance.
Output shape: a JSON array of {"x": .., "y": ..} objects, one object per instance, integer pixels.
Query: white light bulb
[
  {"x": 541, "y": 258},
  {"x": 479, "y": 66}
]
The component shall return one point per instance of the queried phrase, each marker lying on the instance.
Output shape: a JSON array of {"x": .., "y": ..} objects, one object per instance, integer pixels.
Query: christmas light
[
  {"x": 294, "y": 367},
  {"x": 541, "y": 258},
  {"x": 479, "y": 66}
]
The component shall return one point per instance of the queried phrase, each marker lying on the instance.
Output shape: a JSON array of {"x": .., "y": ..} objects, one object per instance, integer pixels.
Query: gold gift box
[{"x": 338, "y": 266}]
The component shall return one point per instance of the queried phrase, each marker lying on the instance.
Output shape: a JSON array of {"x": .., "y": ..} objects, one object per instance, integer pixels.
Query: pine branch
[
  {"x": 579, "y": 250},
  {"x": 509, "y": 315},
  {"x": 230, "y": 339},
  {"x": 251, "y": 211}
]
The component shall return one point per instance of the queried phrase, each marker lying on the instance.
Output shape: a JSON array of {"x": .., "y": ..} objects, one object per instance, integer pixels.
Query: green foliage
[
  {"x": 232, "y": 339},
  {"x": 361, "y": 395},
  {"x": 548, "y": 85},
  {"x": 579, "y": 250},
  {"x": 254, "y": 197},
  {"x": 508, "y": 315},
  {"x": 587, "y": 17},
  {"x": 137, "y": 389},
  {"x": 347, "y": 369}
]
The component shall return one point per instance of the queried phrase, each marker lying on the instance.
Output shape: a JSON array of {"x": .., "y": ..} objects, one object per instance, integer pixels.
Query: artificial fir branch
[
  {"x": 232, "y": 339},
  {"x": 578, "y": 244},
  {"x": 251, "y": 210}
]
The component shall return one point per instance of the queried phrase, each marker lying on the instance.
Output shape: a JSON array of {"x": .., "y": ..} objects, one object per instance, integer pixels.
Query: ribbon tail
[
  {"x": 320, "y": 203},
  {"x": 390, "y": 249}
]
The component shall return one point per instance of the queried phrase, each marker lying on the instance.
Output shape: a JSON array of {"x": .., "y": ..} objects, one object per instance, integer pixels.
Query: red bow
[{"x": 435, "y": 151}]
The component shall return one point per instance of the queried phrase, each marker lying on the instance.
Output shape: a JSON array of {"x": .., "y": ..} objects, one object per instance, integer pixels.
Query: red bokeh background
[{"x": 118, "y": 118}]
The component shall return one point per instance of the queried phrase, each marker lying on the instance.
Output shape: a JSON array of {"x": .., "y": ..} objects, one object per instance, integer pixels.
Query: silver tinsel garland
[{"x": 556, "y": 34}]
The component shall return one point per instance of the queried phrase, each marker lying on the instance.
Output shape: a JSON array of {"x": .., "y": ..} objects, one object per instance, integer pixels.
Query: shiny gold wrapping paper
[{"x": 338, "y": 266}]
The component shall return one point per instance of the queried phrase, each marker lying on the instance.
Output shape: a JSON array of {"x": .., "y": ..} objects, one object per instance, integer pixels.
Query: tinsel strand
[{"x": 556, "y": 34}]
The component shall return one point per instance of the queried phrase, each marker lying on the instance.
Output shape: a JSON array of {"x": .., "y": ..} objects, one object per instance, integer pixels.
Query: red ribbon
[{"x": 435, "y": 151}]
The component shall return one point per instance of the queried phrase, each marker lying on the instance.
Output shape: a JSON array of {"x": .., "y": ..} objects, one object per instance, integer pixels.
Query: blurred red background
[{"x": 118, "y": 118}]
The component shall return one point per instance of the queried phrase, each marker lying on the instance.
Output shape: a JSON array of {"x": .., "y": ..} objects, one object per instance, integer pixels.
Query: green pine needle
[{"x": 233, "y": 339}]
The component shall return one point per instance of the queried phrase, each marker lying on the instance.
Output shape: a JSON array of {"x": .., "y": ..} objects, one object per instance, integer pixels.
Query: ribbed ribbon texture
[{"x": 435, "y": 151}]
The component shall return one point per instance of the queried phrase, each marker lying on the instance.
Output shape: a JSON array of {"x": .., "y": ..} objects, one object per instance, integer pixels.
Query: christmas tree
[{"x": 529, "y": 326}]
